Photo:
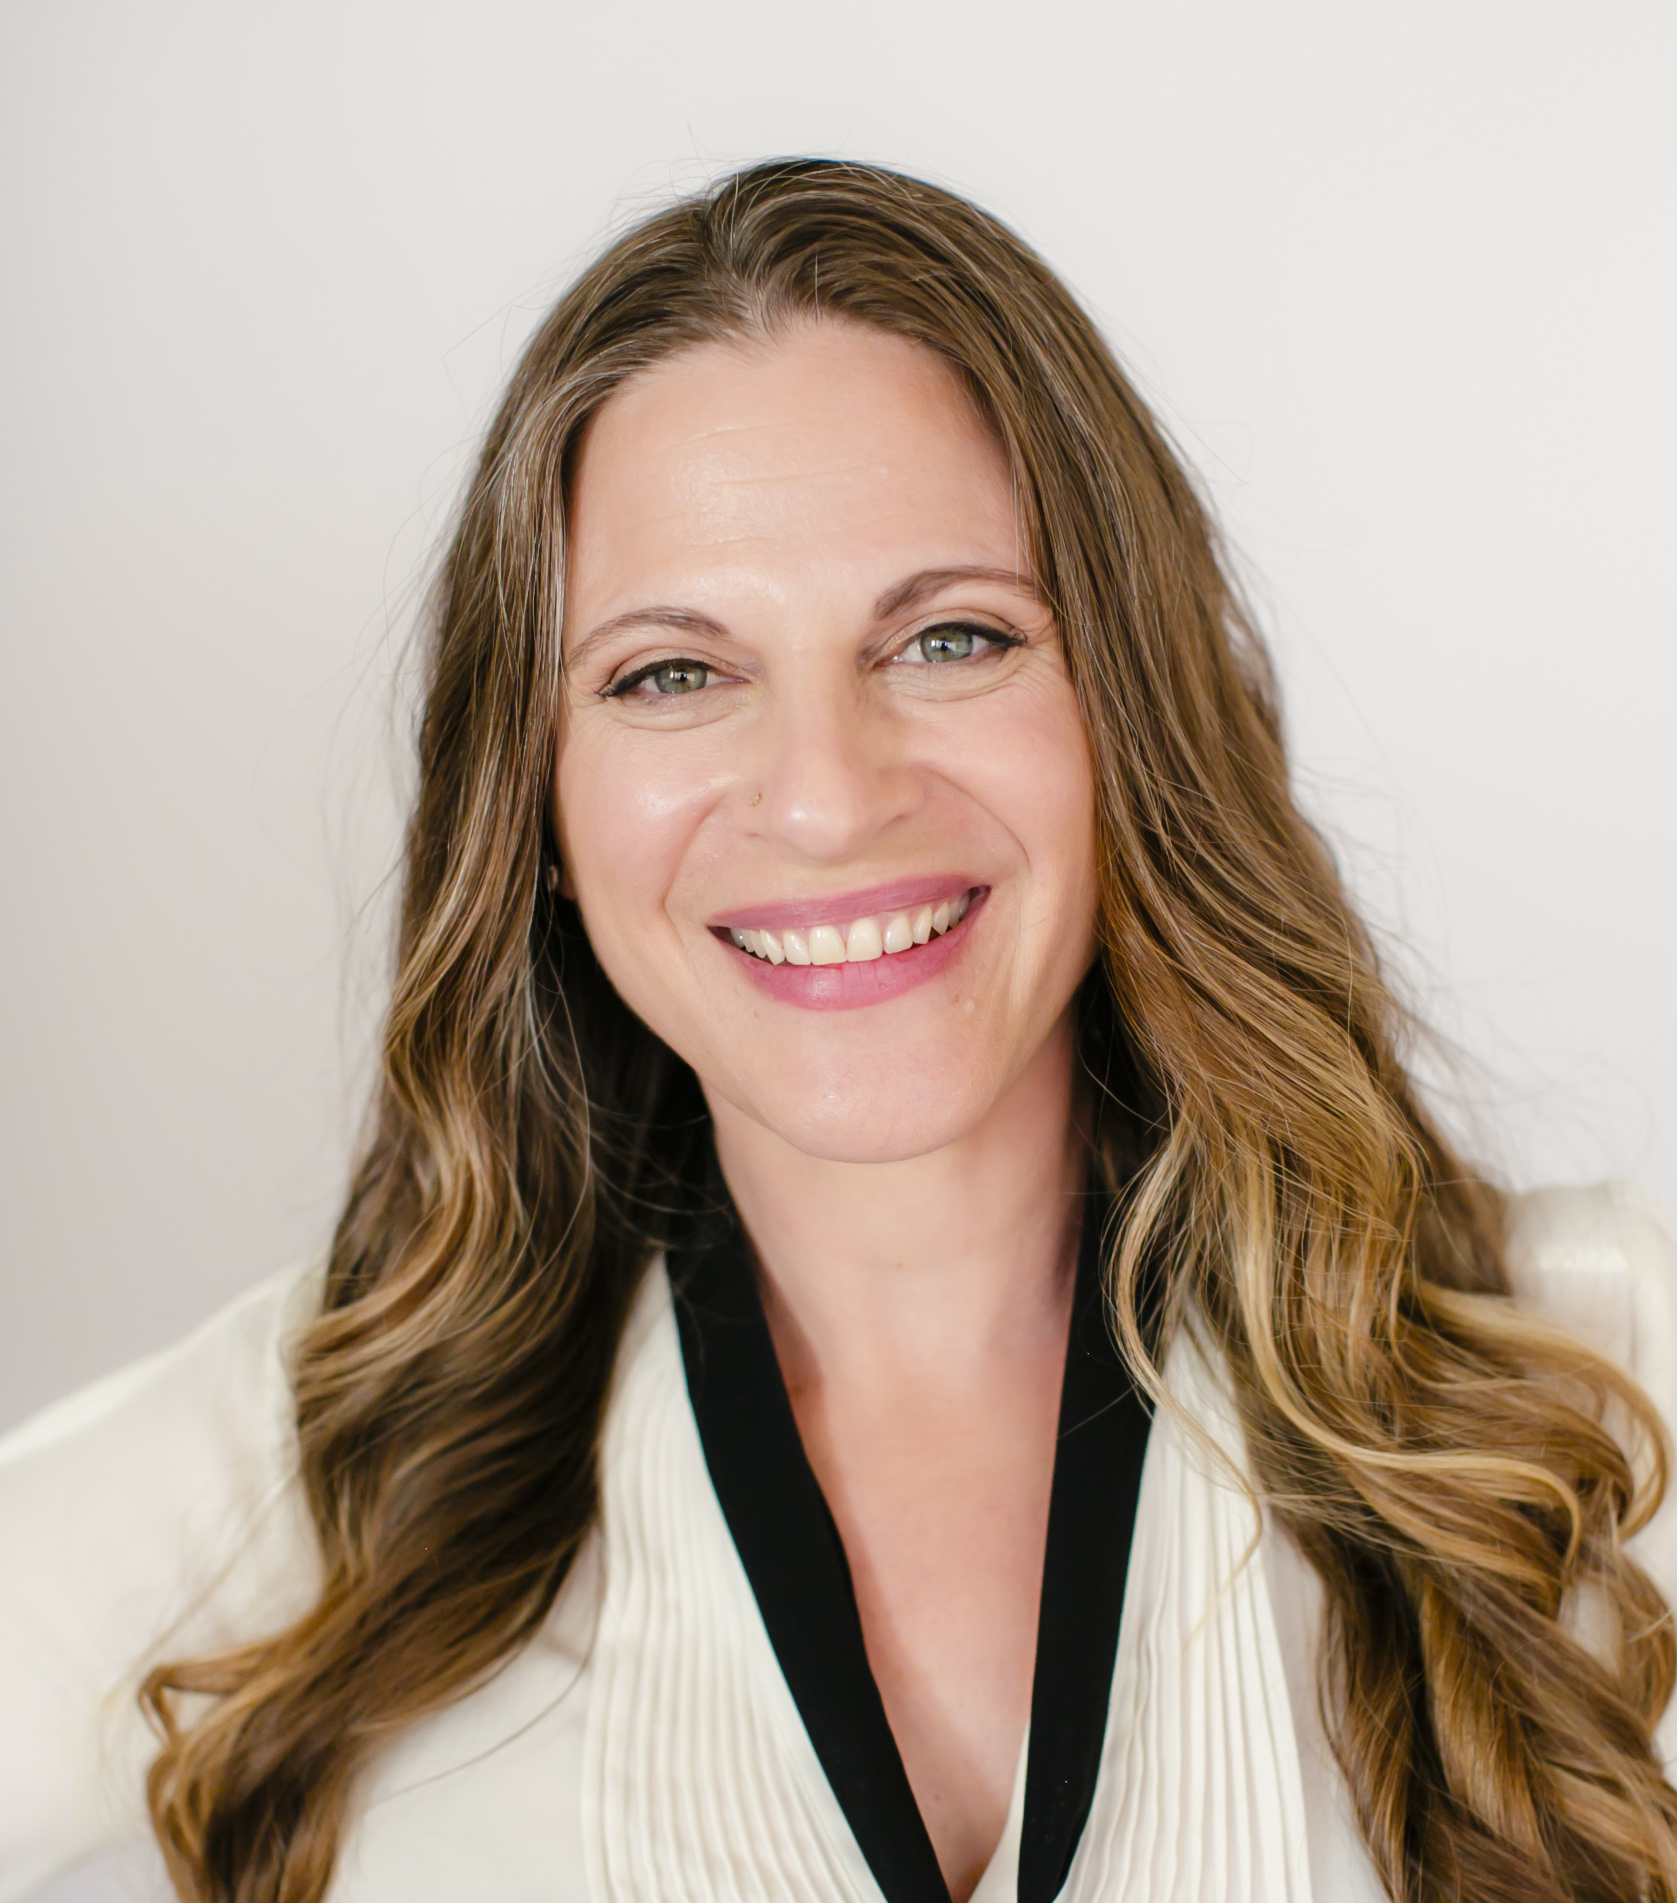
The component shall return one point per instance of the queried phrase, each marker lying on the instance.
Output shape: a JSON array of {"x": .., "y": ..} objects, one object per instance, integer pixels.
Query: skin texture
[{"x": 752, "y": 515}]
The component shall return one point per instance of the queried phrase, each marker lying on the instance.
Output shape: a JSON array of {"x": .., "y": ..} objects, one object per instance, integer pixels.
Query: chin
[{"x": 866, "y": 1123}]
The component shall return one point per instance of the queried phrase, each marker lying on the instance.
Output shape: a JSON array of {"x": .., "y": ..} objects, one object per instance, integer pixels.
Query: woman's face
[{"x": 814, "y": 703}]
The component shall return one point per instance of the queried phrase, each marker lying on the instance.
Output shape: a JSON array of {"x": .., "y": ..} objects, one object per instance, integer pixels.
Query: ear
[{"x": 558, "y": 871}]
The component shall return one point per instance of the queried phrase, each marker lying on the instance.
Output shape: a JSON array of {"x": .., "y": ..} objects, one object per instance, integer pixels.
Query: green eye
[
  {"x": 661, "y": 680},
  {"x": 947, "y": 644},
  {"x": 678, "y": 677}
]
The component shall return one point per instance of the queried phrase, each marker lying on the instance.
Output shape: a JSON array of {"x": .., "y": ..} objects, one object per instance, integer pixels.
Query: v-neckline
[{"x": 794, "y": 1559}]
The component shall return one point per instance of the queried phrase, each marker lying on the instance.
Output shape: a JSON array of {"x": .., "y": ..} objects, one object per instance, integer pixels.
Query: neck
[{"x": 924, "y": 1271}]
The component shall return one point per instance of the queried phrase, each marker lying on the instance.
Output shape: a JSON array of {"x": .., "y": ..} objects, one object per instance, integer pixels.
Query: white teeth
[
  {"x": 826, "y": 947},
  {"x": 859, "y": 942},
  {"x": 863, "y": 943}
]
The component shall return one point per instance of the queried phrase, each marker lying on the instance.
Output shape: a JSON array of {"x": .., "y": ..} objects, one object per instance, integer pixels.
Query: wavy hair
[{"x": 1444, "y": 1462}]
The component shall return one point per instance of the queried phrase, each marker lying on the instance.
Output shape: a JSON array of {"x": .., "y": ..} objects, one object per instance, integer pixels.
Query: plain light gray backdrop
[{"x": 1398, "y": 277}]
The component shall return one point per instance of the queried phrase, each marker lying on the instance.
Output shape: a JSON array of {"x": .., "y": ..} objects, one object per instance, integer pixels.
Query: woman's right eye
[{"x": 664, "y": 679}]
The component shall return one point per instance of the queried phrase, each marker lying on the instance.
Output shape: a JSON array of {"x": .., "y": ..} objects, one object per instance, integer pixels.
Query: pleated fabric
[
  {"x": 700, "y": 1783},
  {"x": 1200, "y": 1798}
]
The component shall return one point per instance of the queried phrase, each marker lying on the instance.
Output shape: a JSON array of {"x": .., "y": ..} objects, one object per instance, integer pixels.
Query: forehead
[{"x": 830, "y": 451}]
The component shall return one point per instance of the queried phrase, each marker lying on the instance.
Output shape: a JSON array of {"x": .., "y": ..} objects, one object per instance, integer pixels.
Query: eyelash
[
  {"x": 998, "y": 640},
  {"x": 615, "y": 690}
]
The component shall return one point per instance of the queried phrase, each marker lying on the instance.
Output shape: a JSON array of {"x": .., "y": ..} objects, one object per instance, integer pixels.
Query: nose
[{"x": 826, "y": 774}]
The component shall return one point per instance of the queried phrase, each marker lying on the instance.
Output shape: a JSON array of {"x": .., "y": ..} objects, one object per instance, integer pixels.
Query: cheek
[
  {"x": 627, "y": 811},
  {"x": 1030, "y": 769}
]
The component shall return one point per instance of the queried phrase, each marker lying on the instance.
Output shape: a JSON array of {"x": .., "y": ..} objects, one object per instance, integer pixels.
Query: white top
[{"x": 645, "y": 1747}]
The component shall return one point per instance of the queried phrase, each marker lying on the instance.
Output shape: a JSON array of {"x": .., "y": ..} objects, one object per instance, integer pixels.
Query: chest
[
  {"x": 699, "y": 1758},
  {"x": 647, "y": 1746},
  {"x": 942, "y": 1503}
]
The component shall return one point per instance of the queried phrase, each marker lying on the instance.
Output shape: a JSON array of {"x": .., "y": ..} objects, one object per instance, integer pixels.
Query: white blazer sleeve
[
  {"x": 150, "y": 1516},
  {"x": 1603, "y": 1262}
]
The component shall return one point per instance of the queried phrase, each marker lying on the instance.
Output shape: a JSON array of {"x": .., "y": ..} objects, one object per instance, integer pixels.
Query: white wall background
[
  {"x": 1398, "y": 272},
  {"x": 1399, "y": 275}
]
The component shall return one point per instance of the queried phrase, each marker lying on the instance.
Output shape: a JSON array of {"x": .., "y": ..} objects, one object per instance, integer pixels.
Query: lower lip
[{"x": 848, "y": 987}]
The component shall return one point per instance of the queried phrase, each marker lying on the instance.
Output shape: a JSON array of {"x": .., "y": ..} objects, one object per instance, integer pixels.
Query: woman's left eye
[{"x": 953, "y": 641}]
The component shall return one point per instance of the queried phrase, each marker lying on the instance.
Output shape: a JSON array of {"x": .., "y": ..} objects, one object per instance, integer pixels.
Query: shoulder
[
  {"x": 233, "y": 1363},
  {"x": 161, "y": 1464},
  {"x": 151, "y": 1514},
  {"x": 1601, "y": 1261}
]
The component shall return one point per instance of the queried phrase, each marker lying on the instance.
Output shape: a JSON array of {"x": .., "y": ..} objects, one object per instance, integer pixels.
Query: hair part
[{"x": 1442, "y": 1460}]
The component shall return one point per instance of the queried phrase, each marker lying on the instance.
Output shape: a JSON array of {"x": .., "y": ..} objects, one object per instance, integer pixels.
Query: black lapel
[
  {"x": 793, "y": 1556},
  {"x": 1091, "y": 1522},
  {"x": 790, "y": 1548}
]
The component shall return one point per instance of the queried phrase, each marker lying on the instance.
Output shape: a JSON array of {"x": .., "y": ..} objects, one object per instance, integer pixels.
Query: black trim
[
  {"x": 793, "y": 1556},
  {"x": 1104, "y": 1419},
  {"x": 795, "y": 1561}
]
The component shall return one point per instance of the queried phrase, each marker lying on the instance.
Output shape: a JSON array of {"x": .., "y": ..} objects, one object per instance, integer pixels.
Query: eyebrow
[
  {"x": 930, "y": 581},
  {"x": 896, "y": 600},
  {"x": 682, "y": 620}
]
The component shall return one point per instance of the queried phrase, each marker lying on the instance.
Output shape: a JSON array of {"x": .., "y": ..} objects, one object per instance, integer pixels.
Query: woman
[{"x": 857, "y": 936}]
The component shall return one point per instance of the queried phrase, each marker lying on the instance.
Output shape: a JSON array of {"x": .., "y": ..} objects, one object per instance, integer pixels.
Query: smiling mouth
[{"x": 874, "y": 935}]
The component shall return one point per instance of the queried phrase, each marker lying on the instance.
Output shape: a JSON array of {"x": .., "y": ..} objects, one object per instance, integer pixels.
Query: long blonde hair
[{"x": 1442, "y": 1461}]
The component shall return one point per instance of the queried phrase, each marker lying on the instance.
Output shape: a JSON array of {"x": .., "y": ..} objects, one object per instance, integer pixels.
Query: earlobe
[{"x": 556, "y": 874}]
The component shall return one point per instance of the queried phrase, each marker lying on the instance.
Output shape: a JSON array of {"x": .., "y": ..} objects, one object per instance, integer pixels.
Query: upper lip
[{"x": 902, "y": 895}]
